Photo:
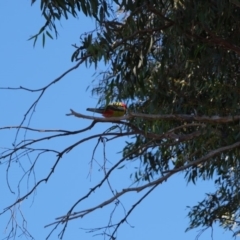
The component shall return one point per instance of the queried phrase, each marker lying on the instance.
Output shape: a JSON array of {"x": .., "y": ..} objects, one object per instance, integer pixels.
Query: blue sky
[{"x": 162, "y": 215}]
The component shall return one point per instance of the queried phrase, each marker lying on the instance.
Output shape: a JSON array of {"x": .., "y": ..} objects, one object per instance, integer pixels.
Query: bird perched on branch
[{"x": 116, "y": 109}]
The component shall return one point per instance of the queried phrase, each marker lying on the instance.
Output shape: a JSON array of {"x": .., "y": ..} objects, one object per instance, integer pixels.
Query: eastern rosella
[{"x": 116, "y": 109}]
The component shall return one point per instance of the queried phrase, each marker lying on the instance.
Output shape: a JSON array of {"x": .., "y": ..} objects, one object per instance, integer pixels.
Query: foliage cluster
[
  {"x": 176, "y": 63},
  {"x": 179, "y": 58}
]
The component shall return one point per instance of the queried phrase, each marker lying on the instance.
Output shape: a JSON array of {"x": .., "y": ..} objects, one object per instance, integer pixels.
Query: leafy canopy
[{"x": 176, "y": 62}]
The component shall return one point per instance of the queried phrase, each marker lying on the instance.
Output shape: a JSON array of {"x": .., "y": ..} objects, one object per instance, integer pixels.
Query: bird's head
[
  {"x": 119, "y": 104},
  {"x": 124, "y": 105}
]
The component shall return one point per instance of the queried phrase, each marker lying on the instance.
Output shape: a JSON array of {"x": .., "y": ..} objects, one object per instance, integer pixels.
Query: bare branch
[
  {"x": 132, "y": 208},
  {"x": 42, "y": 90},
  {"x": 211, "y": 154},
  {"x": 52, "y": 82},
  {"x": 177, "y": 117},
  {"x": 80, "y": 214}
]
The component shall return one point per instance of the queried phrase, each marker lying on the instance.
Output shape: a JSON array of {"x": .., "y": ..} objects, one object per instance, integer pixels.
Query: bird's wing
[{"x": 116, "y": 108}]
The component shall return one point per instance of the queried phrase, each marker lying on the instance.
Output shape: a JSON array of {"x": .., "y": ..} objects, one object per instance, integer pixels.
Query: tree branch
[{"x": 178, "y": 117}]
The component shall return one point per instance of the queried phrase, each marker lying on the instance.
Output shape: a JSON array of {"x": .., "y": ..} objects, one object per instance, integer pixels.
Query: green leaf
[
  {"x": 49, "y": 35},
  {"x": 121, "y": 167},
  {"x": 101, "y": 14},
  {"x": 43, "y": 39},
  {"x": 84, "y": 8}
]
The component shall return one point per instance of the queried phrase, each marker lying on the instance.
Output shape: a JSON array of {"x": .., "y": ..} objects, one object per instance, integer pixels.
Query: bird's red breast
[{"x": 116, "y": 109}]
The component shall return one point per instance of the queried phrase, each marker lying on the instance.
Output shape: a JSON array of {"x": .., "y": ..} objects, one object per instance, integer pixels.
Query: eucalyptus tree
[{"x": 176, "y": 65}]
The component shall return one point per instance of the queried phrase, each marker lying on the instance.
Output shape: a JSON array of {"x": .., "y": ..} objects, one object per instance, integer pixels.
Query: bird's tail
[{"x": 96, "y": 110}]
